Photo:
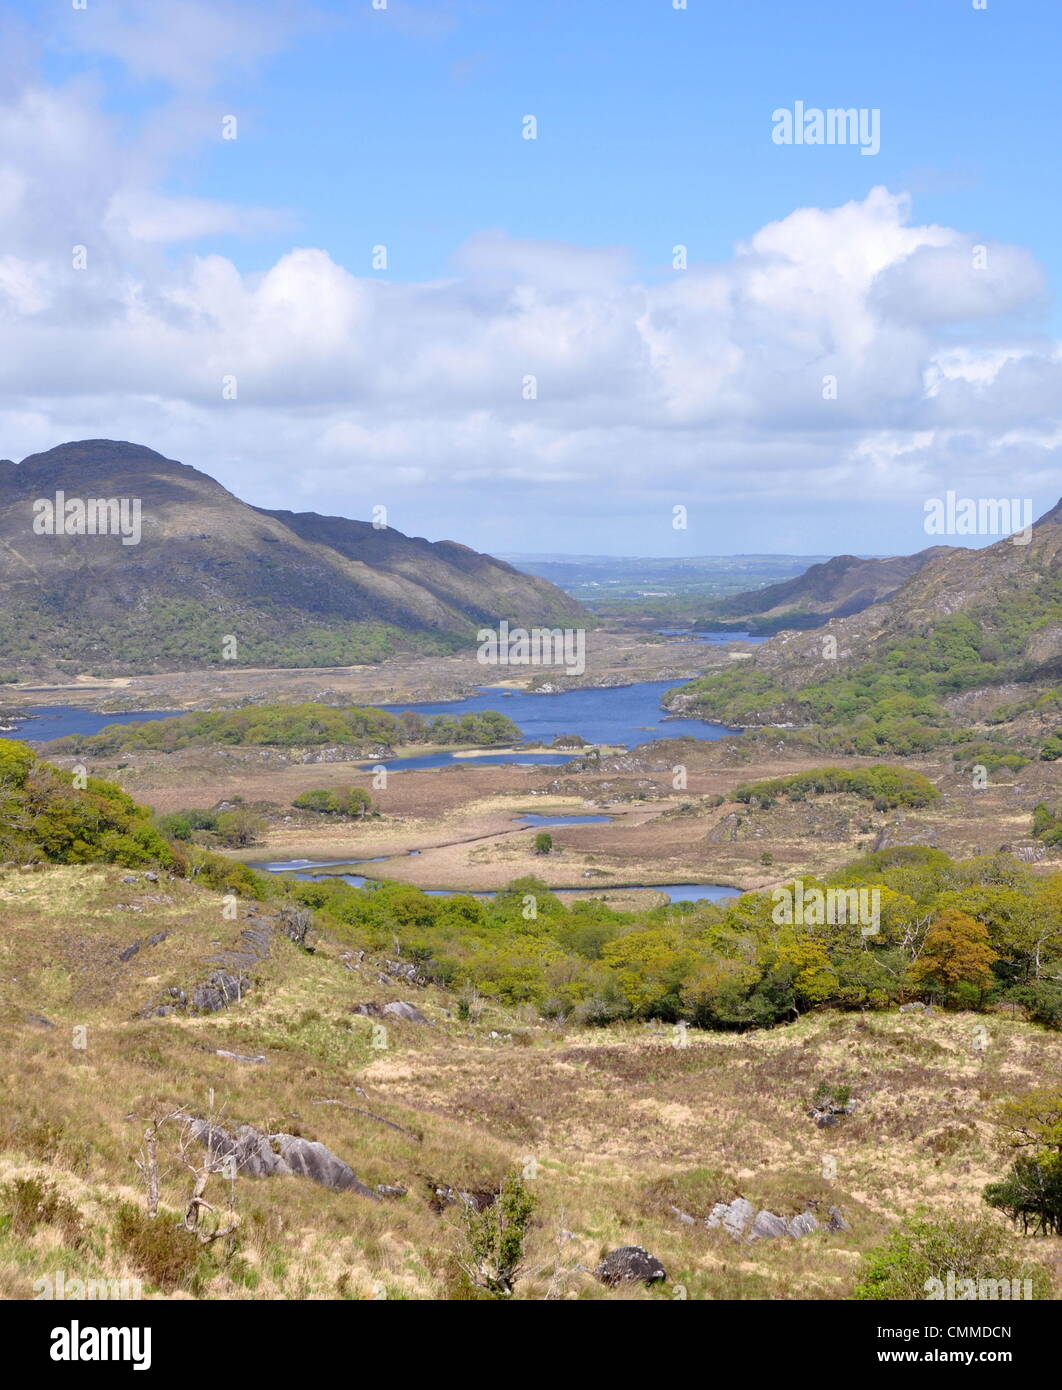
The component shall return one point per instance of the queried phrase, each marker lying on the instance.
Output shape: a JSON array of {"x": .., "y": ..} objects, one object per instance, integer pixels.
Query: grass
[{"x": 617, "y": 1126}]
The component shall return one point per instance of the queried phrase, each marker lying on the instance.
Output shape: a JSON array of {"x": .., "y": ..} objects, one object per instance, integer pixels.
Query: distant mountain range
[
  {"x": 841, "y": 586},
  {"x": 292, "y": 588},
  {"x": 966, "y": 621}
]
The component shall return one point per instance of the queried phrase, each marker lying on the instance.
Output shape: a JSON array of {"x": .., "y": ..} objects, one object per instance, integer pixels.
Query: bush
[
  {"x": 32, "y": 1202},
  {"x": 921, "y": 1254},
  {"x": 239, "y": 828},
  {"x": 494, "y": 1238},
  {"x": 340, "y": 801},
  {"x": 163, "y": 1251},
  {"x": 544, "y": 843}
]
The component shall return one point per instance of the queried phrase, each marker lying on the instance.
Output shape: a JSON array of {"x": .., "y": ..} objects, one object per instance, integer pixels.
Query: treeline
[
  {"x": 976, "y": 934},
  {"x": 291, "y": 726},
  {"x": 887, "y": 787}
]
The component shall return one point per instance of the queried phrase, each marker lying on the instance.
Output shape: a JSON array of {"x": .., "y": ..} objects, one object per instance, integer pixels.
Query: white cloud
[{"x": 352, "y": 390}]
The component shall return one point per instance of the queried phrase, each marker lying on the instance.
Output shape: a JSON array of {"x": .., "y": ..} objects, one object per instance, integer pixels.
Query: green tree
[{"x": 494, "y": 1238}]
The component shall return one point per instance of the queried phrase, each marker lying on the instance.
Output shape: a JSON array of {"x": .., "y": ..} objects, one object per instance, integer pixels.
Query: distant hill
[
  {"x": 971, "y": 636},
  {"x": 841, "y": 586},
  {"x": 293, "y": 588}
]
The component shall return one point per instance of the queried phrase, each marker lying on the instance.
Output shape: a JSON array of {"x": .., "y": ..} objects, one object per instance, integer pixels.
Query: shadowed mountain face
[
  {"x": 841, "y": 586},
  {"x": 292, "y": 588}
]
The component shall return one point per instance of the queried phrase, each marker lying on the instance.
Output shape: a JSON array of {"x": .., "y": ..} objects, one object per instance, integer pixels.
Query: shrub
[
  {"x": 544, "y": 843},
  {"x": 163, "y": 1251},
  {"x": 239, "y": 828},
  {"x": 32, "y": 1202},
  {"x": 921, "y": 1253},
  {"x": 341, "y": 801},
  {"x": 494, "y": 1238}
]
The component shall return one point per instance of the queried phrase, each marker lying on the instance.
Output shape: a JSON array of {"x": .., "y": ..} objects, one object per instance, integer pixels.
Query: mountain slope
[
  {"x": 890, "y": 676},
  {"x": 293, "y": 589},
  {"x": 841, "y": 586}
]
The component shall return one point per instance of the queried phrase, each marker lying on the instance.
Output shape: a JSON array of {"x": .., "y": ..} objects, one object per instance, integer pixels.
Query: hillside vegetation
[
  {"x": 890, "y": 678},
  {"x": 212, "y": 580},
  {"x": 292, "y": 725},
  {"x": 614, "y": 1077}
]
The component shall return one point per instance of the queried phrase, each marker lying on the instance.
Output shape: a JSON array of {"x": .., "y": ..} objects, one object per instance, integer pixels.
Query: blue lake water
[
  {"x": 303, "y": 869},
  {"x": 60, "y": 721},
  {"x": 619, "y": 715},
  {"x": 532, "y": 819},
  {"x": 686, "y": 634},
  {"x": 623, "y": 715}
]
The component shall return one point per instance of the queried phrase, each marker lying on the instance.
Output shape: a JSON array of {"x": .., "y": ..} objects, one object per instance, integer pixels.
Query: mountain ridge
[{"x": 293, "y": 588}]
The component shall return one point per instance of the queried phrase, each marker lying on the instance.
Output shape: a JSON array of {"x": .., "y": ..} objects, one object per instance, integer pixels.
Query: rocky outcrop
[
  {"x": 740, "y": 1219},
  {"x": 261, "y": 1155},
  {"x": 223, "y": 986},
  {"x": 397, "y": 1009}
]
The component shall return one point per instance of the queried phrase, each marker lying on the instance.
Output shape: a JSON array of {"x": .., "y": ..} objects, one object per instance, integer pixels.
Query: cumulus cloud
[{"x": 839, "y": 353}]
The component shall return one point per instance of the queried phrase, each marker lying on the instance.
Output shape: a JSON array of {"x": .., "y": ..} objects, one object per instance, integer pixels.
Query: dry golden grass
[{"x": 617, "y": 1126}]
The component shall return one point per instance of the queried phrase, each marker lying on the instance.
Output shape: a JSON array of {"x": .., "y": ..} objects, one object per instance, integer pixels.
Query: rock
[
  {"x": 802, "y": 1225},
  {"x": 684, "y": 1216},
  {"x": 836, "y": 1221},
  {"x": 630, "y": 1264},
  {"x": 129, "y": 952},
  {"x": 733, "y": 1216},
  {"x": 766, "y": 1226},
  {"x": 386, "y": 1190},
  {"x": 219, "y": 989},
  {"x": 402, "y": 970},
  {"x": 261, "y": 1155},
  {"x": 916, "y": 1008},
  {"x": 40, "y": 1021},
  {"x": 398, "y": 1009},
  {"x": 238, "y": 1056},
  {"x": 479, "y": 1199}
]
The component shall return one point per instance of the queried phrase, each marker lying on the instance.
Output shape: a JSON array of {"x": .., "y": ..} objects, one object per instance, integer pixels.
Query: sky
[{"x": 310, "y": 249}]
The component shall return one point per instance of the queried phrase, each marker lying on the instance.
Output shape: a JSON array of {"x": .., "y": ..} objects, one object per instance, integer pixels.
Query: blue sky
[{"x": 402, "y": 127}]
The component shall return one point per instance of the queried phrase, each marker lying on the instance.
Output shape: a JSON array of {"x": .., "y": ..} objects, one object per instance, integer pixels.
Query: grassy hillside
[
  {"x": 630, "y": 1138},
  {"x": 612, "y": 1066},
  {"x": 966, "y": 631}
]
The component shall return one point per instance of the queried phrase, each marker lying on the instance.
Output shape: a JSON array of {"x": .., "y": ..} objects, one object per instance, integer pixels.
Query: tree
[
  {"x": 238, "y": 828},
  {"x": 956, "y": 953},
  {"x": 544, "y": 843},
  {"x": 1031, "y": 1192},
  {"x": 494, "y": 1238}
]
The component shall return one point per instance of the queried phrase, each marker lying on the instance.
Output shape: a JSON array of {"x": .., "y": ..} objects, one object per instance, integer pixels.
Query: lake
[
  {"x": 303, "y": 869},
  {"x": 623, "y": 715},
  {"x": 686, "y": 634}
]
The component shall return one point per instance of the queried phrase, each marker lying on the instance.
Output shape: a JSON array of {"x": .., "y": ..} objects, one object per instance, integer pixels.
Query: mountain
[
  {"x": 846, "y": 584},
  {"x": 969, "y": 630},
  {"x": 292, "y": 588}
]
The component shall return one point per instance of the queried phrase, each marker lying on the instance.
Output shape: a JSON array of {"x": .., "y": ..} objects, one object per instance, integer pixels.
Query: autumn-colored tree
[{"x": 956, "y": 952}]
